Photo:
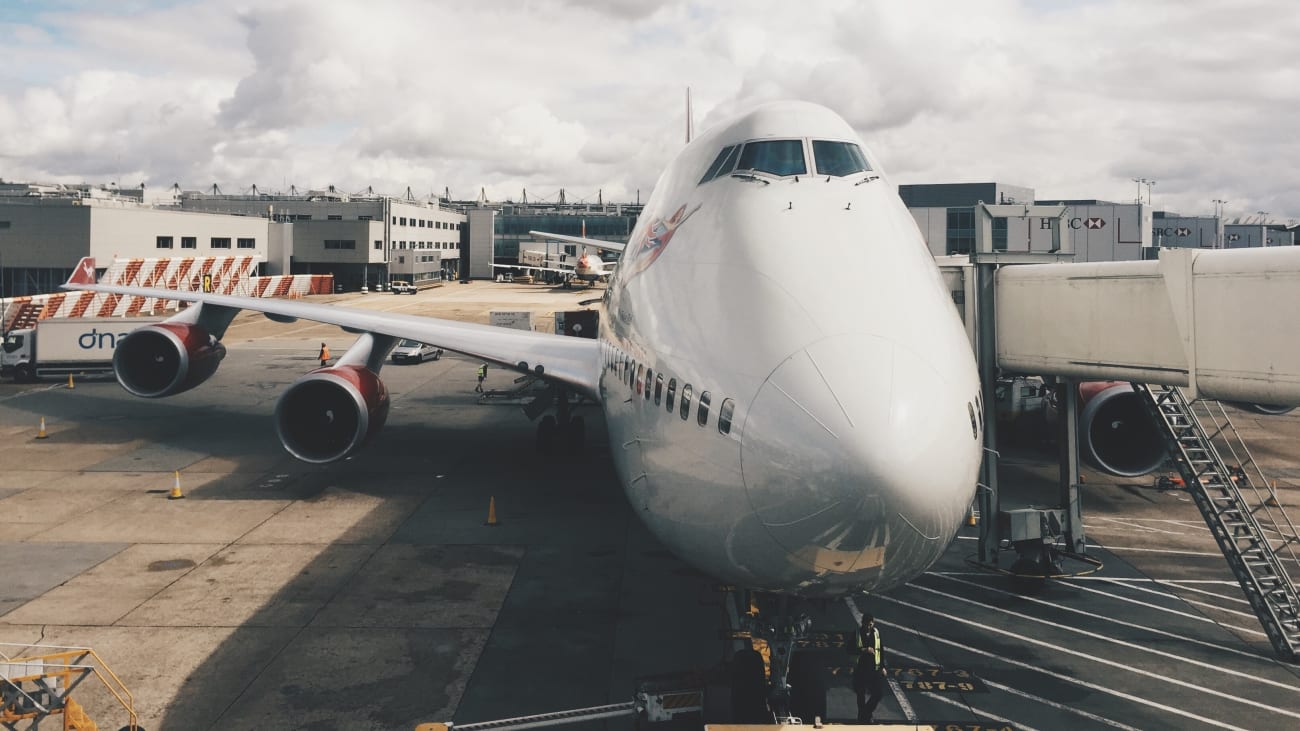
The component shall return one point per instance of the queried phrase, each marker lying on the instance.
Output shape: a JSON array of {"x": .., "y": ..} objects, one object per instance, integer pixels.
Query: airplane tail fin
[{"x": 84, "y": 273}]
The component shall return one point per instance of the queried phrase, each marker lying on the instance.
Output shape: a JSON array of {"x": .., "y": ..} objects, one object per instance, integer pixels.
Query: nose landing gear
[
  {"x": 563, "y": 429},
  {"x": 796, "y": 685}
]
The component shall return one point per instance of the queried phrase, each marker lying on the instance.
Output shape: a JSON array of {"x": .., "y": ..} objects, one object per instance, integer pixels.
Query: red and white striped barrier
[{"x": 222, "y": 274}]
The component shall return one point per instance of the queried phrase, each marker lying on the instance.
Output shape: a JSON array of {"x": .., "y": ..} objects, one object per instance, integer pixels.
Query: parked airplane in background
[
  {"x": 587, "y": 267},
  {"x": 802, "y": 432}
]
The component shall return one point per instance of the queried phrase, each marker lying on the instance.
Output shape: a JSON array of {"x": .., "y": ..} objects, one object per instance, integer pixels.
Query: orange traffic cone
[
  {"x": 70, "y": 384},
  {"x": 41, "y": 434},
  {"x": 1272, "y": 498},
  {"x": 492, "y": 512},
  {"x": 176, "y": 493}
]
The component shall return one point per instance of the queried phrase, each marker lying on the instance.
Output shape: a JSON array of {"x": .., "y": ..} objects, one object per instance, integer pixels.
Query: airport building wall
[
  {"x": 1186, "y": 232},
  {"x": 42, "y": 239},
  {"x": 1095, "y": 232}
]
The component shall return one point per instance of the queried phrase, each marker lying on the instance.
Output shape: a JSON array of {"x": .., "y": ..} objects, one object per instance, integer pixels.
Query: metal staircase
[{"x": 1243, "y": 513}]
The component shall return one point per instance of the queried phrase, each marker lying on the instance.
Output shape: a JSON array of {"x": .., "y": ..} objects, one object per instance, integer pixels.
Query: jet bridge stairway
[{"x": 1251, "y": 531}]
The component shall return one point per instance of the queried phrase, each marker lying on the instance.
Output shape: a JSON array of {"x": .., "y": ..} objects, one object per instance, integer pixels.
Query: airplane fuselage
[{"x": 840, "y": 444}]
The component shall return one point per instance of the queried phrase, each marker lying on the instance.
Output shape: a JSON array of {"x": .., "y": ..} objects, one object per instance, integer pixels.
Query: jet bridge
[
  {"x": 1202, "y": 320},
  {"x": 1218, "y": 322}
]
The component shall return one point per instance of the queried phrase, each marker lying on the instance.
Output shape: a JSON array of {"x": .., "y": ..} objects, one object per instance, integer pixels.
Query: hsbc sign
[{"x": 1093, "y": 222}]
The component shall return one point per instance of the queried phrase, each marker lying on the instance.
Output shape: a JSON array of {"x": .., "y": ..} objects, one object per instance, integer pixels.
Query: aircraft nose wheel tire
[{"x": 748, "y": 688}]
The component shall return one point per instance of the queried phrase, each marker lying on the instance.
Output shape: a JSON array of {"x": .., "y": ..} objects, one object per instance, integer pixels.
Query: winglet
[{"x": 84, "y": 273}]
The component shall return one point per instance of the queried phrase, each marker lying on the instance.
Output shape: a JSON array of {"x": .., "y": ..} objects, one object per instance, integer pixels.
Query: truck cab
[{"x": 16, "y": 355}]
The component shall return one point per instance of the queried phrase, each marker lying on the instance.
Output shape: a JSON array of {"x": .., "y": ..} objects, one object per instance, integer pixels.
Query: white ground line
[
  {"x": 32, "y": 391},
  {"x": 1166, "y": 633},
  {"x": 1099, "y": 660},
  {"x": 1207, "y": 592},
  {"x": 1130, "y": 645},
  {"x": 1216, "y": 607},
  {"x": 1131, "y": 525},
  {"x": 1060, "y": 676},
  {"x": 1144, "y": 579},
  {"x": 903, "y": 703},
  {"x": 1188, "y": 615},
  {"x": 1014, "y": 691}
]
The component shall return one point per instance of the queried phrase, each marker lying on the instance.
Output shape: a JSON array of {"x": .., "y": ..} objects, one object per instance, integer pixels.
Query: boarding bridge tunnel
[{"x": 1214, "y": 324}]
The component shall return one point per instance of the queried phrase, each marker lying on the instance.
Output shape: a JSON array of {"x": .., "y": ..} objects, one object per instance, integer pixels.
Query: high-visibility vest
[
  {"x": 482, "y": 371},
  {"x": 859, "y": 647},
  {"x": 324, "y": 353}
]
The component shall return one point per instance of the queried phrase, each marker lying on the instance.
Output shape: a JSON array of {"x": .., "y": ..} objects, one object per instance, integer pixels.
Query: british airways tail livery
[{"x": 809, "y": 431}]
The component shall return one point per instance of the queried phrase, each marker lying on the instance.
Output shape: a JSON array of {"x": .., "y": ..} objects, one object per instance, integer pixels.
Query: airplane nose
[{"x": 855, "y": 443}]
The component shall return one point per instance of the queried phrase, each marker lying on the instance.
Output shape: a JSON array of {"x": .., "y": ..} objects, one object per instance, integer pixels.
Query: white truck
[{"x": 66, "y": 345}]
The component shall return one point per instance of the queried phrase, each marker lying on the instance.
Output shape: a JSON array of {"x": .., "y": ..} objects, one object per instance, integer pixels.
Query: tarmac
[{"x": 371, "y": 593}]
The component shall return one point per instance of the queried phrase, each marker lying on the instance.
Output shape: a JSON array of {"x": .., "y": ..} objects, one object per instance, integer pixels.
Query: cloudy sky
[{"x": 1074, "y": 98}]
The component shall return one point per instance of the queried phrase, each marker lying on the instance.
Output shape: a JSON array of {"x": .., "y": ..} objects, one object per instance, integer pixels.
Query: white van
[{"x": 409, "y": 351}]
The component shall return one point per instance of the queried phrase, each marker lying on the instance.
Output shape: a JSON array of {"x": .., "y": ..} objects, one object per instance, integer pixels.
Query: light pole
[
  {"x": 1139, "y": 181},
  {"x": 1149, "y": 184},
  {"x": 1219, "y": 204}
]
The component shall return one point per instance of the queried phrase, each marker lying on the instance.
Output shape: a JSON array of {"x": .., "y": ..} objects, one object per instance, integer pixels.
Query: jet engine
[
  {"x": 1115, "y": 433},
  {"x": 330, "y": 413},
  {"x": 166, "y": 358}
]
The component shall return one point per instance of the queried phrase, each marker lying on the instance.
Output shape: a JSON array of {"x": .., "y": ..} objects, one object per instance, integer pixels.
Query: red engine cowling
[
  {"x": 1115, "y": 433},
  {"x": 330, "y": 413},
  {"x": 166, "y": 358}
]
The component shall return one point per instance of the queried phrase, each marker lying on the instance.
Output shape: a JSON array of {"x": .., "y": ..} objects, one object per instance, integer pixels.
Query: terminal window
[
  {"x": 189, "y": 242},
  {"x": 340, "y": 243},
  {"x": 246, "y": 243},
  {"x": 220, "y": 243},
  {"x": 164, "y": 242},
  {"x": 333, "y": 217},
  {"x": 379, "y": 243}
]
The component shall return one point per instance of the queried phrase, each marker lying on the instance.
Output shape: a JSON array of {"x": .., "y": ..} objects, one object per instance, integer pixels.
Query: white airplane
[
  {"x": 587, "y": 267},
  {"x": 808, "y": 432}
]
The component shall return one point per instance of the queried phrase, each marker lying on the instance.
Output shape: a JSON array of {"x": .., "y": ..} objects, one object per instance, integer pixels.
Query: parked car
[
  {"x": 409, "y": 351},
  {"x": 401, "y": 287}
]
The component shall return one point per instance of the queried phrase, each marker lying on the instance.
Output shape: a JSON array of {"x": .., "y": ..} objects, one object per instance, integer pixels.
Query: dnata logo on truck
[{"x": 99, "y": 340}]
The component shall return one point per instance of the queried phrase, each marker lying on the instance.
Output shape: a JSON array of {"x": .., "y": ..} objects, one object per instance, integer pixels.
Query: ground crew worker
[
  {"x": 324, "y": 355},
  {"x": 482, "y": 373},
  {"x": 869, "y": 672}
]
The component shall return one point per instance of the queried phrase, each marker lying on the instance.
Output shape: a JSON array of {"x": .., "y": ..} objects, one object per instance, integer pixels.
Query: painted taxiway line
[
  {"x": 1115, "y": 641},
  {"x": 1112, "y": 620},
  {"x": 1062, "y": 650},
  {"x": 1039, "y": 670}
]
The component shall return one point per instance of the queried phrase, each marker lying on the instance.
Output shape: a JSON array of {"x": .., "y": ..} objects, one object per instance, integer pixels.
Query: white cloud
[{"x": 1074, "y": 99}]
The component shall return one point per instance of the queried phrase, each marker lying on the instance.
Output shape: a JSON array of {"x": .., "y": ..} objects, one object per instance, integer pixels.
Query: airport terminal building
[{"x": 370, "y": 240}]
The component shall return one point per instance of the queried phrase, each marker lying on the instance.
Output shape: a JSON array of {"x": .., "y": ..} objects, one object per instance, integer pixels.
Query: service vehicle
[
  {"x": 409, "y": 351},
  {"x": 66, "y": 345},
  {"x": 402, "y": 287}
]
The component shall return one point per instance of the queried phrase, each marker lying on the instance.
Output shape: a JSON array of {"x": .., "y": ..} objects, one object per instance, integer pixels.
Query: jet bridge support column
[
  {"x": 986, "y": 262},
  {"x": 1068, "y": 439}
]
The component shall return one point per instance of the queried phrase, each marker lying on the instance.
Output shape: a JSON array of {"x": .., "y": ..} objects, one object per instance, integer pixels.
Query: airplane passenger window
[
  {"x": 724, "y": 416},
  {"x": 637, "y": 378},
  {"x": 672, "y": 390},
  {"x": 648, "y": 373},
  {"x": 778, "y": 157},
  {"x": 974, "y": 428},
  {"x": 717, "y": 164},
  {"x": 659, "y": 388},
  {"x": 702, "y": 416},
  {"x": 839, "y": 158},
  {"x": 686, "y": 401}
]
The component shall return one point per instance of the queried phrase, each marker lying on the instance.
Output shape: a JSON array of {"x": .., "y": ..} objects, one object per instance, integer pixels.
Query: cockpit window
[
  {"x": 778, "y": 157},
  {"x": 722, "y": 164},
  {"x": 839, "y": 158}
]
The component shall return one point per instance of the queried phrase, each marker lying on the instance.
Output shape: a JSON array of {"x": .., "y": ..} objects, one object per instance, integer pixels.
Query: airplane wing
[
  {"x": 579, "y": 240},
  {"x": 572, "y": 362},
  {"x": 559, "y": 269}
]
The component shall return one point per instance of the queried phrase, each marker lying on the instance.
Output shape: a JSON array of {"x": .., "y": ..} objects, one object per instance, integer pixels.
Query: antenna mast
[{"x": 690, "y": 117}]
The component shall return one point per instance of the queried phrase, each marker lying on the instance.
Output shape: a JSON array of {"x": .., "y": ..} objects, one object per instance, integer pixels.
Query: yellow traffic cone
[
  {"x": 176, "y": 493},
  {"x": 41, "y": 434},
  {"x": 70, "y": 383},
  {"x": 492, "y": 512}
]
